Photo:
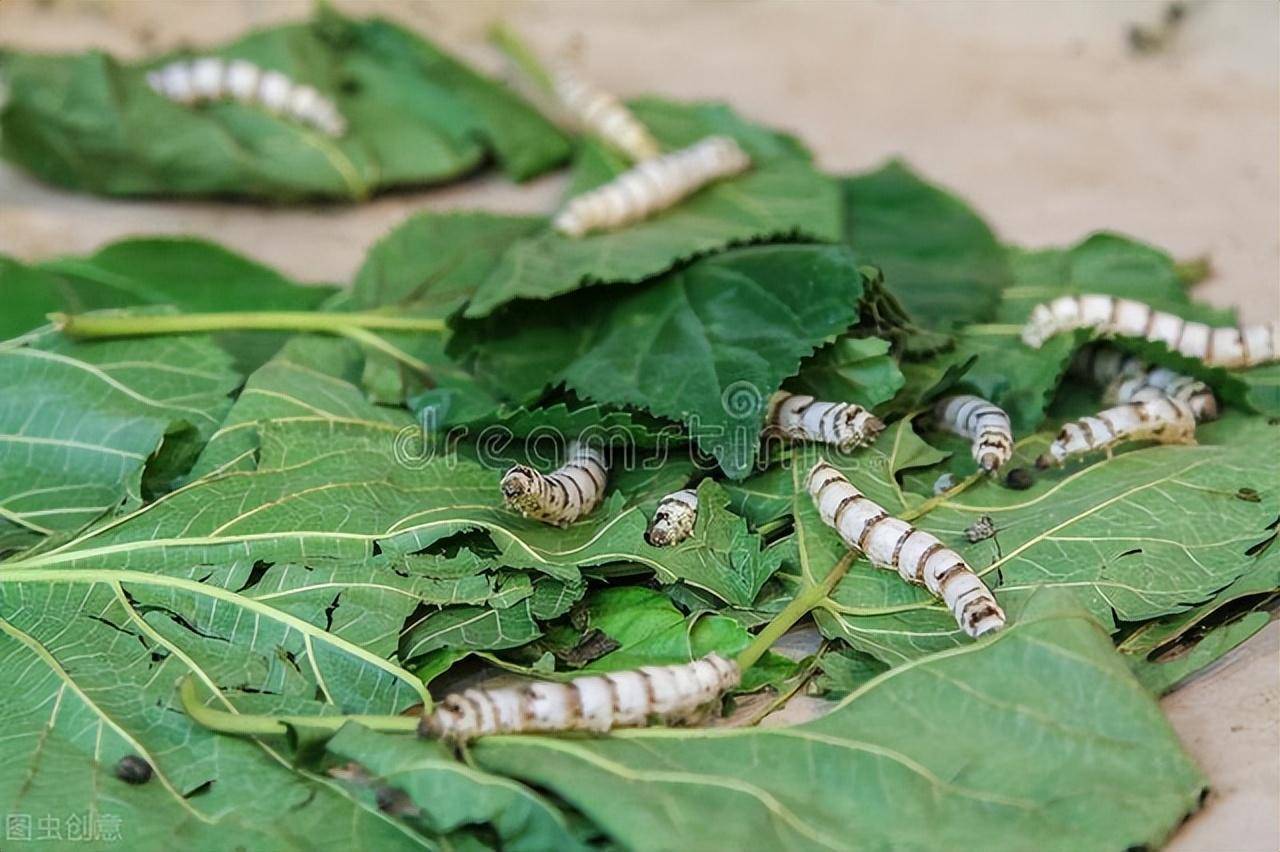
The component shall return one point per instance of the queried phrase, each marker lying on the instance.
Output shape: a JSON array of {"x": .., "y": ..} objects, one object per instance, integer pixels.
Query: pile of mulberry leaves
[{"x": 305, "y": 527}]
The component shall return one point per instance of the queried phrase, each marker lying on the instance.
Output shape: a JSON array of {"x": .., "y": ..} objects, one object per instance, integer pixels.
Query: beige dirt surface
[{"x": 1036, "y": 112}]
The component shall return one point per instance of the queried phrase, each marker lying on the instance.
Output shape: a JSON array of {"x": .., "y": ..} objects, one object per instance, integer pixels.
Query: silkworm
[
  {"x": 652, "y": 186},
  {"x": 986, "y": 425},
  {"x": 1151, "y": 416},
  {"x": 980, "y": 530},
  {"x": 563, "y": 496},
  {"x": 605, "y": 115},
  {"x": 1123, "y": 376},
  {"x": 1246, "y": 346},
  {"x": 595, "y": 703},
  {"x": 916, "y": 555},
  {"x": 214, "y": 79},
  {"x": 840, "y": 424},
  {"x": 674, "y": 518}
]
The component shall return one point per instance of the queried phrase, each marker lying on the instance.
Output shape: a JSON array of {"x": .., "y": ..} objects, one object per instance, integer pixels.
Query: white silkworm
[
  {"x": 1150, "y": 416},
  {"x": 211, "y": 78},
  {"x": 840, "y": 424},
  {"x": 604, "y": 115},
  {"x": 596, "y": 703},
  {"x": 652, "y": 186},
  {"x": 892, "y": 543},
  {"x": 1246, "y": 346},
  {"x": 1123, "y": 376},
  {"x": 986, "y": 425},
  {"x": 563, "y": 496},
  {"x": 674, "y": 518}
]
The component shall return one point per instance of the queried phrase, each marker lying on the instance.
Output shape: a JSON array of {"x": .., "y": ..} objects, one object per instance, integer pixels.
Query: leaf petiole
[
  {"x": 106, "y": 325},
  {"x": 800, "y": 606},
  {"x": 245, "y": 724}
]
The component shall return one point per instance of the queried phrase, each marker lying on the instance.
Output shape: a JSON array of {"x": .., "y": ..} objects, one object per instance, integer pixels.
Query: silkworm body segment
[
  {"x": 1151, "y": 416},
  {"x": 916, "y": 555},
  {"x": 1124, "y": 376},
  {"x": 605, "y": 115},
  {"x": 652, "y": 186},
  {"x": 215, "y": 79},
  {"x": 563, "y": 496},
  {"x": 674, "y": 518},
  {"x": 838, "y": 424},
  {"x": 986, "y": 425},
  {"x": 596, "y": 703},
  {"x": 1245, "y": 346}
]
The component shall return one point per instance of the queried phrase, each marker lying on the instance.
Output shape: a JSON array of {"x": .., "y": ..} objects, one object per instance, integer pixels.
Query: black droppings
[
  {"x": 1019, "y": 479},
  {"x": 133, "y": 770}
]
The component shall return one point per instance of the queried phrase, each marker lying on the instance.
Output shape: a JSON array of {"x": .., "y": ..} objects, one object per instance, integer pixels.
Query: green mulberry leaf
[{"x": 782, "y": 196}]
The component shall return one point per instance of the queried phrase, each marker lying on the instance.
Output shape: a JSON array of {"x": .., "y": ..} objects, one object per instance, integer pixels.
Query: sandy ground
[{"x": 1036, "y": 111}]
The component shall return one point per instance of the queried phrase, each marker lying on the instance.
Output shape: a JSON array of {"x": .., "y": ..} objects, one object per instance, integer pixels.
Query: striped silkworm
[
  {"x": 674, "y": 518},
  {"x": 1246, "y": 346},
  {"x": 651, "y": 187},
  {"x": 1123, "y": 376},
  {"x": 916, "y": 555},
  {"x": 595, "y": 703},
  {"x": 1151, "y": 416},
  {"x": 986, "y": 425},
  {"x": 214, "y": 79},
  {"x": 839, "y": 424},
  {"x": 604, "y": 115},
  {"x": 563, "y": 496}
]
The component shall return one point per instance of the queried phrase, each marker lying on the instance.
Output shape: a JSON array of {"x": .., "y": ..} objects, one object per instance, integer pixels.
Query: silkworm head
[
  {"x": 1038, "y": 328},
  {"x": 520, "y": 488},
  {"x": 661, "y": 530}
]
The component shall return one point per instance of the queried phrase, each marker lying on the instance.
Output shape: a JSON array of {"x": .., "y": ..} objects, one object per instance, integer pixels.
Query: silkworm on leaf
[
  {"x": 839, "y": 424},
  {"x": 1123, "y": 376},
  {"x": 1152, "y": 416},
  {"x": 1245, "y": 346},
  {"x": 674, "y": 518},
  {"x": 980, "y": 530},
  {"x": 595, "y": 703},
  {"x": 916, "y": 555},
  {"x": 604, "y": 115},
  {"x": 986, "y": 425},
  {"x": 214, "y": 79},
  {"x": 563, "y": 496},
  {"x": 652, "y": 186}
]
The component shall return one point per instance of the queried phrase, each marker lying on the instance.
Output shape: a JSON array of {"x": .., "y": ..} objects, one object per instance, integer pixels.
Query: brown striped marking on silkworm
[
  {"x": 604, "y": 115},
  {"x": 1151, "y": 416},
  {"x": 212, "y": 78},
  {"x": 840, "y": 424},
  {"x": 563, "y": 496},
  {"x": 595, "y": 703},
  {"x": 674, "y": 518},
  {"x": 916, "y": 555},
  {"x": 1246, "y": 346},
  {"x": 983, "y": 423},
  {"x": 651, "y": 187},
  {"x": 1122, "y": 376}
]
